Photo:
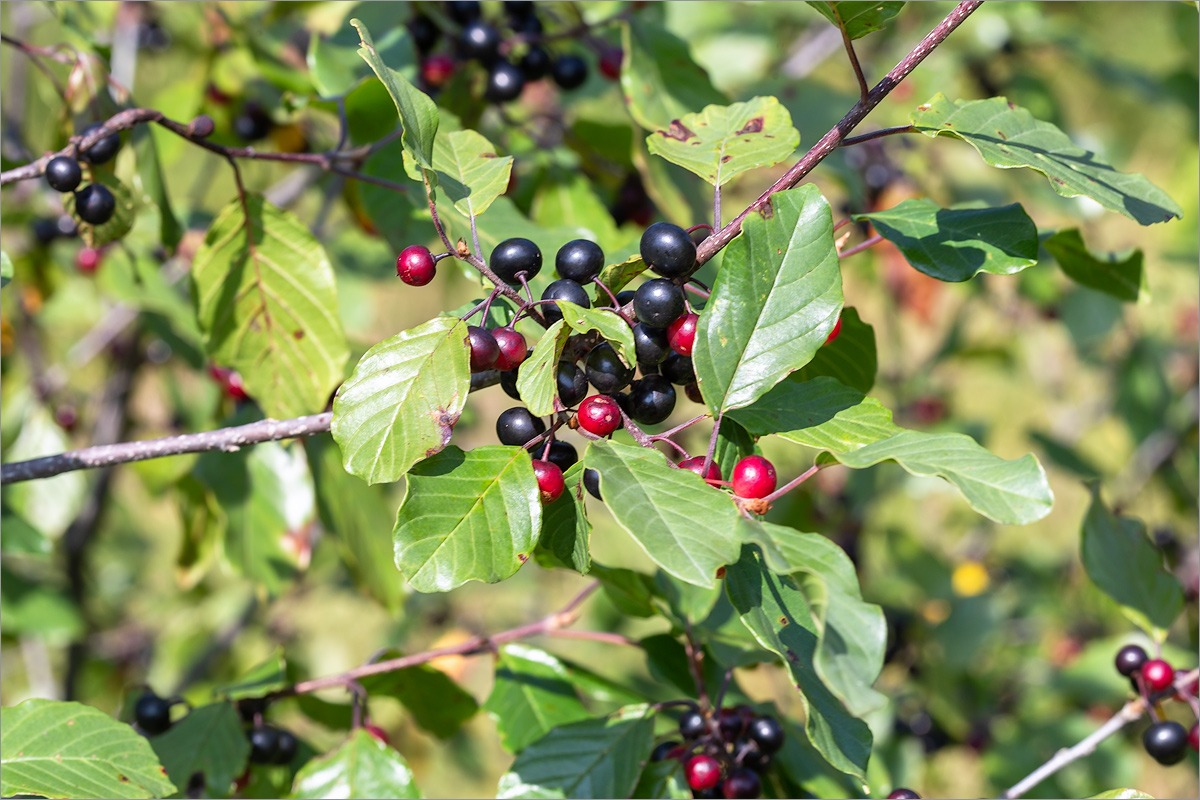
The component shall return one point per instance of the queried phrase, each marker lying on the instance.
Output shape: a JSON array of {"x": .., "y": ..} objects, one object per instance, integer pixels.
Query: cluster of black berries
[
  {"x": 1165, "y": 740},
  {"x": 724, "y": 755},
  {"x": 269, "y": 744},
  {"x": 480, "y": 41},
  {"x": 94, "y": 203}
]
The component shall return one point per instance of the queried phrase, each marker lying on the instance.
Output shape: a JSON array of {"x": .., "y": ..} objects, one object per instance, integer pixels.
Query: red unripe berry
[
  {"x": 599, "y": 415},
  {"x": 415, "y": 265},
  {"x": 513, "y": 348},
  {"x": 87, "y": 260},
  {"x": 549, "y": 479},
  {"x": 1158, "y": 675},
  {"x": 66, "y": 417},
  {"x": 484, "y": 349},
  {"x": 1194, "y": 737},
  {"x": 377, "y": 732},
  {"x": 610, "y": 63},
  {"x": 702, "y": 772},
  {"x": 437, "y": 69},
  {"x": 696, "y": 465},
  {"x": 230, "y": 380},
  {"x": 833, "y": 334},
  {"x": 753, "y": 478},
  {"x": 681, "y": 334}
]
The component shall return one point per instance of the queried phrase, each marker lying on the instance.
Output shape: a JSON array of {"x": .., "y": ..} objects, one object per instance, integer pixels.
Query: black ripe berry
[
  {"x": 518, "y": 9},
  {"x": 591, "y": 482},
  {"x": 535, "y": 64},
  {"x": 563, "y": 289},
  {"x": 480, "y": 41},
  {"x": 606, "y": 371},
  {"x": 903, "y": 794},
  {"x": 579, "y": 260},
  {"x": 102, "y": 150},
  {"x": 95, "y": 204},
  {"x": 1130, "y": 659},
  {"x": 741, "y": 783},
  {"x": 662, "y": 751},
  {"x": 668, "y": 250},
  {"x": 514, "y": 256},
  {"x": 1166, "y": 742},
  {"x": 516, "y": 427},
  {"x": 252, "y": 124},
  {"x": 152, "y": 714},
  {"x": 285, "y": 748},
  {"x": 563, "y": 455},
  {"x": 530, "y": 25},
  {"x": 767, "y": 733},
  {"x": 484, "y": 350},
  {"x": 505, "y": 83},
  {"x": 570, "y": 72},
  {"x": 732, "y": 723},
  {"x": 572, "y": 384},
  {"x": 63, "y": 174},
  {"x": 626, "y": 297},
  {"x": 651, "y": 400},
  {"x": 264, "y": 744},
  {"x": 678, "y": 369},
  {"x": 651, "y": 344},
  {"x": 424, "y": 33},
  {"x": 463, "y": 11},
  {"x": 692, "y": 725},
  {"x": 658, "y": 302},
  {"x": 756, "y": 760},
  {"x": 508, "y": 382}
]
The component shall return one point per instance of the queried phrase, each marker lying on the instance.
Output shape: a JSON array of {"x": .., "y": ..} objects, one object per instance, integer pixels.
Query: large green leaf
[
  {"x": 362, "y": 767},
  {"x": 774, "y": 303},
  {"x": 566, "y": 532},
  {"x": 1008, "y": 136},
  {"x": 660, "y": 80},
  {"x": 123, "y": 216},
  {"x": 467, "y": 516},
  {"x": 536, "y": 382},
  {"x": 469, "y": 171},
  {"x": 436, "y": 702},
  {"x": 50, "y": 504},
  {"x": 683, "y": 524},
  {"x": 850, "y": 357},
  {"x": 400, "y": 404},
  {"x": 777, "y": 612},
  {"x": 607, "y": 322},
  {"x": 721, "y": 142},
  {"x": 267, "y": 304},
  {"x": 154, "y": 184},
  {"x": 1121, "y": 278},
  {"x": 206, "y": 750},
  {"x": 858, "y": 431},
  {"x": 418, "y": 114},
  {"x": 594, "y": 758},
  {"x": 1124, "y": 564},
  {"x": 571, "y": 202},
  {"x": 957, "y": 244},
  {"x": 54, "y": 749},
  {"x": 531, "y": 696},
  {"x": 263, "y": 678},
  {"x": 856, "y": 17}
]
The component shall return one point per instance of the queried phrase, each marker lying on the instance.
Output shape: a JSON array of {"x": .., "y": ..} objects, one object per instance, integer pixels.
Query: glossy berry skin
[
  {"x": 606, "y": 371},
  {"x": 663, "y": 750},
  {"x": 753, "y": 478},
  {"x": 516, "y": 427},
  {"x": 731, "y": 723},
  {"x": 152, "y": 714},
  {"x": 651, "y": 400},
  {"x": 572, "y": 384},
  {"x": 696, "y": 464},
  {"x": 484, "y": 350},
  {"x": 505, "y": 83},
  {"x": 508, "y": 382},
  {"x": 285, "y": 749},
  {"x": 1158, "y": 675},
  {"x": 376, "y": 732},
  {"x": 599, "y": 415},
  {"x": 95, "y": 204},
  {"x": 625, "y": 298},
  {"x": 437, "y": 70},
  {"x": 480, "y": 41},
  {"x": 610, "y": 63},
  {"x": 264, "y": 744},
  {"x": 651, "y": 344},
  {"x": 756, "y": 760},
  {"x": 425, "y": 33},
  {"x": 579, "y": 260},
  {"x": 1166, "y": 742},
  {"x": 513, "y": 256},
  {"x": 563, "y": 455},
  {"x": 668, "y": 250},
  {"x": 535, "y": 64},
  {"x": 87, "y": 260},
  {"x": 563, "y": 289},
  {"x": 702, "y": 772},
  {"x": 513, "y": 348},
  {"x": 658, "y": 303},
  {"x": 682, "y": 334},
  {"x": 549, "y": 480},
  {"x": 415, "y": 265},
  {"x": 591, "y": 482},
  {"x": 102, "y": 150},
  {"x": 833, "y": 334},
  {"x": 742, "y": 784},
  {"x": 463, "y": 11},
  {"x": 903, "y": 794},
  {"x": 1130, "y": 659},
  {"x": 63, "y": 174},
  {"x": 678, "y": 369},
  {"x": 692, "y": 725},
  {"x": 570, "y": 72},
  {"x": 766, "y": 732}
]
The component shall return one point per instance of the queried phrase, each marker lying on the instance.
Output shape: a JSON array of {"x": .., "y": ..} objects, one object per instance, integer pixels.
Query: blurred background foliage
[{"x": 1000, "y": 648}]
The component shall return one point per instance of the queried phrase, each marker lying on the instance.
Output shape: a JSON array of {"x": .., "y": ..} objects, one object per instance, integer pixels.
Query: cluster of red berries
[
  {"x": 724, "y": 755},
  {"x": 1165, "y": 740},
  {"x": 94, "y": 203}
]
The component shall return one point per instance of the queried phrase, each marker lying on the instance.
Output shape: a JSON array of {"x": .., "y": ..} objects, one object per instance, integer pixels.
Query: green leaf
[
  {"x": 1008, "y": 136},
  {"x": 858, "y": 431},
  {"x": 566, "y": 532},
  {"x": 683, "y": 524},
  {"x": 778, "y": 614},
  {"x": 536, "y": 382},
  {"x": 21, "y": 538},
  {"x": 617, "y": 276},
  {"x": 957, "y": 244},
  {"x": 607, "y": 322},
  {"x": 208, "y": 742},
  {"x": 571, "y": 202},
  {"x": 1122, "y": 794},
  {"x": 418, "y": 114},
  {"x": 262, "y": 679},
  {"x": 850, "y": 358},
  {"x": 1124, "y": 564},
  {"x": 54, "y": 749},
  {"x": 467, "y": 516},
  {"x": 594, "y": 758},
  {"x": 857, "y": 18},
  {"x": 774, "y": 303},
  {"x": 800, "y": 761},
  {"x": 631, "y": 592},
  {"x": 1123, "y": 278},
  {"x": 469, "y": 171},
  {"x": 123, "y": 216},
  {"x": 659, "y": 79},
  {"x": 400, "y": 404},
  {"x": 724, "y": 141},
  {"x": 531, "y": 696},
  {"x": 436, "y": 702},
  {"x": 50, "y": 504},
  {"x": 38, "y": 607},
  {"x": 733, "y": 444},
  {"x": 663, "y": 780},
  {"x": 362, "y": 767},
  {"x": 267, "y": 305},
  {"x": 6, "y": 269},
  {"x": 150, "y": 173}
]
